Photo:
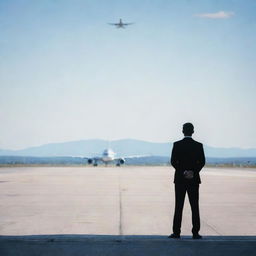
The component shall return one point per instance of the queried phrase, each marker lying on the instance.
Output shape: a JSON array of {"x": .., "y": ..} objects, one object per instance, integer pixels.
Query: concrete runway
[{"x": 121, "y": 201}]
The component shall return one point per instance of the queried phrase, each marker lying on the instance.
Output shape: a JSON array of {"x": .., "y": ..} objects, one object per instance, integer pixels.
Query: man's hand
[{"x": 188, "y": 174}]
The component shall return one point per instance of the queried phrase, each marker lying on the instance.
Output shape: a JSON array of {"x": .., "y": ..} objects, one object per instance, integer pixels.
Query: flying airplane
[
  {"x": 120, "y": 24},
  {"x": 108, "y": 156}
]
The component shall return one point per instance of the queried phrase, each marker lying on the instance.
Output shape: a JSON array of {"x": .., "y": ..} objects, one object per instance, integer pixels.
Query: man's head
[{"x": 188, "y": 129}]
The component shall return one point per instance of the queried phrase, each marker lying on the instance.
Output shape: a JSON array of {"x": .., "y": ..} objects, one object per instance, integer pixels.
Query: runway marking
[{"x": 120, "y": 208}]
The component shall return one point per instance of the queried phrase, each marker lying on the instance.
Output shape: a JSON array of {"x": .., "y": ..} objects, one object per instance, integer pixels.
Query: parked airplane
[
  {"x": 120, "y": 24},
  {"x": 108, "y": 156}
]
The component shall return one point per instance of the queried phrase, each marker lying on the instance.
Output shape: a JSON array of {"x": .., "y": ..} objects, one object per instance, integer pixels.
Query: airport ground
[{"x": 107, "y": 204}]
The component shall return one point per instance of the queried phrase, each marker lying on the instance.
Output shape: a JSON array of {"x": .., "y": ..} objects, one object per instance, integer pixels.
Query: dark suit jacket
[{"x": 187, "y": 154}]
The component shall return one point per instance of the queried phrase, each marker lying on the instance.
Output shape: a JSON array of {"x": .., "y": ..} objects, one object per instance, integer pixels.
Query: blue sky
[{"x": 65, "y": 74}]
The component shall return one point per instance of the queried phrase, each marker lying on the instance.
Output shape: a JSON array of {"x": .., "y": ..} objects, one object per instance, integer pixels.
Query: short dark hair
[{"x": 188, "y": 129}]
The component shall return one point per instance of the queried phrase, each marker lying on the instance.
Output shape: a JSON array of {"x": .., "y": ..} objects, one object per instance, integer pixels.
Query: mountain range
[{"x": 124, "y": 147}]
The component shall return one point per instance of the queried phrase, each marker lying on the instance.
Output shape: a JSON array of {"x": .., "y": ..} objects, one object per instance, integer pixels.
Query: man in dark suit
[{"x": 188, "y": 159}]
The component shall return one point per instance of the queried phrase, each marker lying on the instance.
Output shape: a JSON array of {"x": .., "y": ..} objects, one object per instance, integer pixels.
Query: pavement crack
[
  {"x": 210, "y": 226},
  {"x": 120, "y": 208}
]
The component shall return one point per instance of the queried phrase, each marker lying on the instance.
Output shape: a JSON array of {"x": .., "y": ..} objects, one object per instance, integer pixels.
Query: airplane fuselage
[
  {"x": 120, "y": 24},
  {"x": 108, "y": 155}
]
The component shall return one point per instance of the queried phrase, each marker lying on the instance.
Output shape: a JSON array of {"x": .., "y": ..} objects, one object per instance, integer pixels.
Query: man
[{"x": 188, "y": 159}]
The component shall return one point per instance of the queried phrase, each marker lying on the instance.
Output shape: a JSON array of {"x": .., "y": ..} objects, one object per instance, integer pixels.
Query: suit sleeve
[
  {"x": 174, "y": 157},
  {"x": 201, "y": 159}
]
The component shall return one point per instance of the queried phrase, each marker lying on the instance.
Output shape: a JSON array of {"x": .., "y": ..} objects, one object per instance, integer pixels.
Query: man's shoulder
[
  {"x": 198, "y": 143},
  {"x": 177, "y": 142},
  {"x": 180, "y": 142}
]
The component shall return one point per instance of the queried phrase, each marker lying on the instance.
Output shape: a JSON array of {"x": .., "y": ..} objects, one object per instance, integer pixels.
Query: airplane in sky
[
  {"x": 107, "y": 157},
  {"x": 120, "y": 24}
]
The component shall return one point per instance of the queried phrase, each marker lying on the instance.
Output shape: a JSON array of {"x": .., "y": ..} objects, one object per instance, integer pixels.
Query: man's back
[
  {"x": 188, "y": 160},
  {"x": 187, "y": 154}
]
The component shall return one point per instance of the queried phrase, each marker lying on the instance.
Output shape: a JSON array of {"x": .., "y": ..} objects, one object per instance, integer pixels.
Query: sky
[{"x": 66, "y": 74}]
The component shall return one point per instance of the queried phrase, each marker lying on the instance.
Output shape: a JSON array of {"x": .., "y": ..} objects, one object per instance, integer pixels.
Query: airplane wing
[
  {"x": 127, "y": 24},
  {"x": 136, "y": 156},
  {"x": 130, "y": 157},
  {"x": 96, "y": 158},
  {"x": 113, "y": 24}
]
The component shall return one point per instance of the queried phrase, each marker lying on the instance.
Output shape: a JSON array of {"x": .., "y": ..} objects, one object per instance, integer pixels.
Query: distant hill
[
  {"x": 125, "y": 147},
  {"x": 144, "y": 160}
]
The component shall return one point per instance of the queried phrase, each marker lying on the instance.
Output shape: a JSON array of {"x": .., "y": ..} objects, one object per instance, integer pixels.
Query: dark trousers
[{"x": 193, "y": 195}]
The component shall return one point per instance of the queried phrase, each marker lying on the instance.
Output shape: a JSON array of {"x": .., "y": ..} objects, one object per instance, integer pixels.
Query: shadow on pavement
[{"x": 107, "y": 245}]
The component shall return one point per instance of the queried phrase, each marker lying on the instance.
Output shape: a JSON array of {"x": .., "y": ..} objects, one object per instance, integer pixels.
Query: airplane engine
[
  {"x": 120, "y": 161},
  {"x": 90, "y": 161}
]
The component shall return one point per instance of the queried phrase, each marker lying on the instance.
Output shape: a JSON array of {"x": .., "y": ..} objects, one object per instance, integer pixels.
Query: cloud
[{"x": 216, "y": 15}]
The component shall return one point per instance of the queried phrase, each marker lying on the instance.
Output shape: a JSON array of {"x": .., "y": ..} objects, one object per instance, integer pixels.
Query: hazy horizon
[
  {"x": 108, "y": 143},
  {"x": 66, "y": 75}
]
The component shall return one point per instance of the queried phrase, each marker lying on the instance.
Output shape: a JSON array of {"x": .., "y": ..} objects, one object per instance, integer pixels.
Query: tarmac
[{"x": 122, "y": 211}]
